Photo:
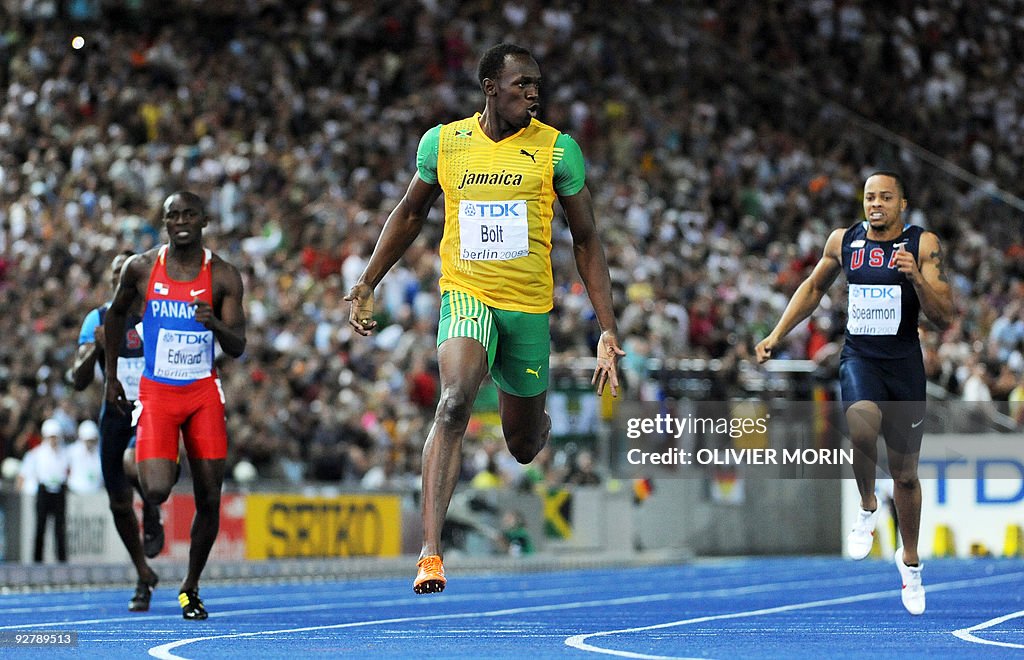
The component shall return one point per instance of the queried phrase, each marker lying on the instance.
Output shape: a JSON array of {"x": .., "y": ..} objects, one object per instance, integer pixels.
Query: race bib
[
  {"x": 129, "y": 371},
  {"x": 874, "y": 309},
  {"x": 493, "y": 231},
  {"x": 183, "y": 355}
]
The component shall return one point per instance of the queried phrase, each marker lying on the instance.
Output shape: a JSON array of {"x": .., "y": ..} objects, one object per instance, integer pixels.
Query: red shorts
[{"x": 196, "y": 410}]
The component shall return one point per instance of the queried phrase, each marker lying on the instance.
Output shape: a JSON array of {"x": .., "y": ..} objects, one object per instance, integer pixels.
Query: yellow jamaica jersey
[{"x": 498, "y": 208}]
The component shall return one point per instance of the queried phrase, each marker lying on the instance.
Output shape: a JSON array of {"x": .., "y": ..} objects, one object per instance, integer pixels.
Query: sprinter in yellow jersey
[{"x": 501, "y": 171}]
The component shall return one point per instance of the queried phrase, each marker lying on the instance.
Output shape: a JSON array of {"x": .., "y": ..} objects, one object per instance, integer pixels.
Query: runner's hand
[
  {"x": 763, "y": 350},
  {"x": 906, "y": 264},
  {"x": 608, "y": 354},
  {"x": 360, "y": 315},
  {"x": 114, "y": 394},
  {"x": 203, "y": 311}
]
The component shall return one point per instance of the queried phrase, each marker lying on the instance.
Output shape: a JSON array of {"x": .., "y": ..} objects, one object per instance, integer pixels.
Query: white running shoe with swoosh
[
  {"x": 913, "y": 589},
  {"x": 859, "y": 541}
]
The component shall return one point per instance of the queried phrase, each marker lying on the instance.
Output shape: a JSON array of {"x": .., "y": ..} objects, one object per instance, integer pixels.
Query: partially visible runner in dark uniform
[
  {"x": 894, "y": 271},
  {"x": 117, "y": 436},
  {"x": 193, "y": 298}
]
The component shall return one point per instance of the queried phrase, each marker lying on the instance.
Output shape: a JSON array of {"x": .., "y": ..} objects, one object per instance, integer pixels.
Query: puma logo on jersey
[
  {"x": 527, "y": 153},
  {"x": 533, "y": 372}
]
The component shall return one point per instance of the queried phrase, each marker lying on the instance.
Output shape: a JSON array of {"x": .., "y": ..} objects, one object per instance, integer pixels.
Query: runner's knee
[
  {"x": 525, "y": 452},
  {"x": 905, "y": 481},
  {"x": 865, "y": 420},
  {"x": 864, "y": 441},
  {"x": 209, "y": 503},
  {"x": 525, "y": 444},
  {"x": 156, "y": 493},
  {"x": 454, "y": 409}
]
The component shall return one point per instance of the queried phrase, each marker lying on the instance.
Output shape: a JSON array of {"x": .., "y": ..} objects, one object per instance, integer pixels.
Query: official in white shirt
[
  {"x": 47, "y": 465},
  {"x": 86, "y": 474}
]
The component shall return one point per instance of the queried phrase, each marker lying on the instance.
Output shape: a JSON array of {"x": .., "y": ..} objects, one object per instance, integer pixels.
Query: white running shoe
[
  {"x": 913, "y": 590},
  {"x": 858, "y": 543}
]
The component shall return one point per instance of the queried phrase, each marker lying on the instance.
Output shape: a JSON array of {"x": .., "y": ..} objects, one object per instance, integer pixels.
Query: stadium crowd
[{"x": 721, "y": 148}]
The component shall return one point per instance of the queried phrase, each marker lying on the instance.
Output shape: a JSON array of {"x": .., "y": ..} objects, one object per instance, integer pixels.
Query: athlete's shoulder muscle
[
  {"x": 225, "y": 276},
  {"x": 137, "y": 269},
  {"x": 426, "y": 155},
  {"x": 570, "y": 172},
  {"x": 141, "y": 263},
  {"x": 834, "y": 244}
]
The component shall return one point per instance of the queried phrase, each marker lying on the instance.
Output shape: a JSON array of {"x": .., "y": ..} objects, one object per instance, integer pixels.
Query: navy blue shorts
[
  {"x": 898, "y": 387},
  {"x": 116, "y": 435}
]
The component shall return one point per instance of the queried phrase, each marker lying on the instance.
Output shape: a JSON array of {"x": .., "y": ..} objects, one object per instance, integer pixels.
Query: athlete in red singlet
[{"x": 192, "y": 297}]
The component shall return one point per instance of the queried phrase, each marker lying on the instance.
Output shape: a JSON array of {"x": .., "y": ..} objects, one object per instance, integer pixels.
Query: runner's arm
[
  {"x": 807, "y": 296},
  {"x": 228, "y": 324},
  {"x": 89, "y": 351},
  {"x": 593, "y": 269},
  {"x": 85, "y": 365},
  {"x": 929, "y": 280},
  {"x": 589, "y": 254},
  {"x": 401, "y": 228}
]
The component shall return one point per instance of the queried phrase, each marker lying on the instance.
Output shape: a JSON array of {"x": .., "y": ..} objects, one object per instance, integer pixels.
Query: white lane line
[
  {"x": 393, "y": 602},
  {"x": 21, "y": 603},
  {"x": 966, "y": 633},
  {"x": 446, "y": 598},
  {"x": 48, "y": 608},
  {"x": 579, "y": 641},
  {"x": 164, "y": 650}
]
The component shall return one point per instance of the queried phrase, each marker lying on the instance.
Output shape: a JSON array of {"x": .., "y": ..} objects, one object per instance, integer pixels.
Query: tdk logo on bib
[
  {"x": 186, "y": 338},
  {"x": 494, "y": 210},
  {"x": 868, "y": 292}
]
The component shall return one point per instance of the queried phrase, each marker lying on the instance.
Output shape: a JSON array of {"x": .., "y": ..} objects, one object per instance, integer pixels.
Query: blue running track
[{"x": 735, "y": 608}]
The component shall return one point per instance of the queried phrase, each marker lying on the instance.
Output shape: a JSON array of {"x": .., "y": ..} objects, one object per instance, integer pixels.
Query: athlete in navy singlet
[
  {"x": 116, "y": 435},
  {"x": 893, "y": 272}
]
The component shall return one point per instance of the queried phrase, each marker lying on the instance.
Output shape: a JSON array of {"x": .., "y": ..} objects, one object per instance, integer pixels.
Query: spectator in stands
[
  {"x": 1016, "y": 400},
  {"x": 515, "y": 537},
  {"x": 584, "y": 470}
]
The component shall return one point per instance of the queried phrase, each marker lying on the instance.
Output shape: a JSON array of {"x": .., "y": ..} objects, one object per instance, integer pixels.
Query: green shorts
[{"x": 518, "y": 344}]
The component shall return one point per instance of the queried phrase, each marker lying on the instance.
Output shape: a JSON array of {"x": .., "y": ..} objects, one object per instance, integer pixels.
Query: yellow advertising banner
[{"x": 287, "y": 526}]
